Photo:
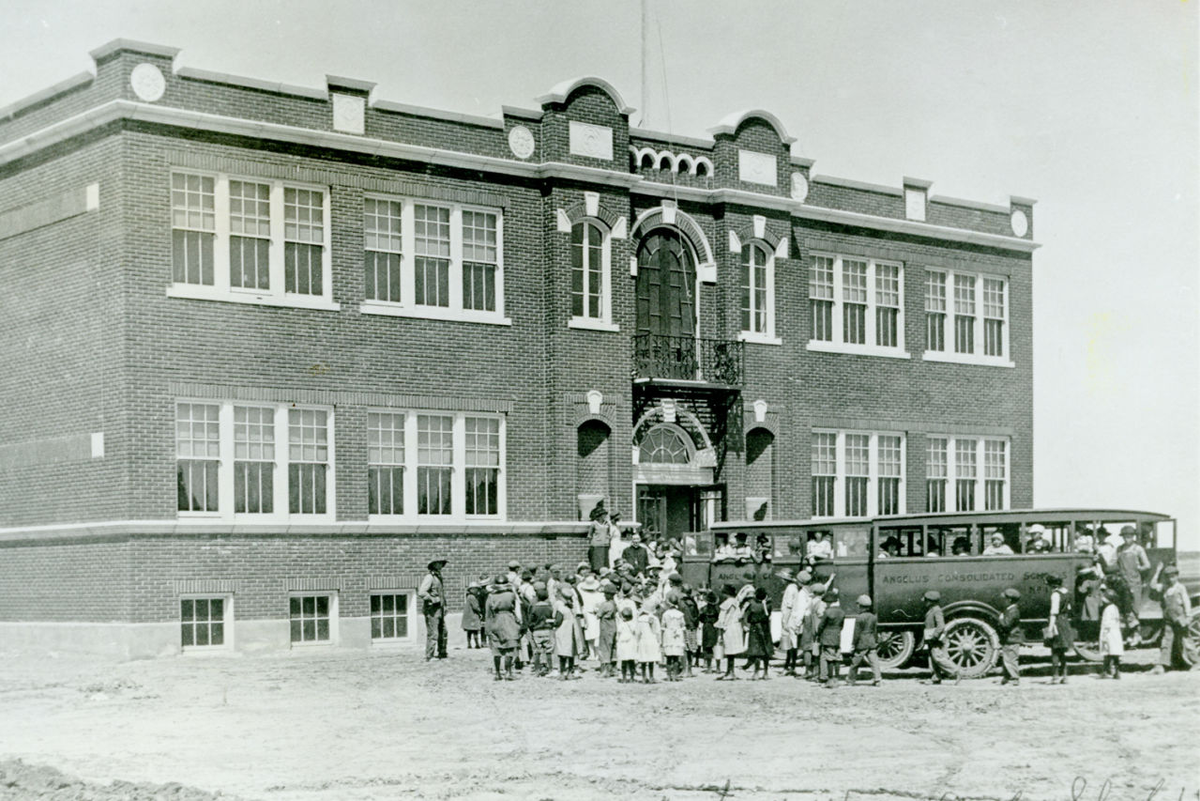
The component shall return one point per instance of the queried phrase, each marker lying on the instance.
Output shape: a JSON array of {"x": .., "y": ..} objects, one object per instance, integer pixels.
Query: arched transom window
[{"x": 665, "y": 444}]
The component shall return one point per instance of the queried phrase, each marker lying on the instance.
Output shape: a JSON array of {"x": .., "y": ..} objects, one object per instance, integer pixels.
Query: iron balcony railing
[{"x": 713, "y": 361}]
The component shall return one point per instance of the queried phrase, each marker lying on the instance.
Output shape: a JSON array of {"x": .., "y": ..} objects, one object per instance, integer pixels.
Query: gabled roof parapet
[
  {"x": 353, "y": 85},
  {"x": 116, "y": 45},
  {"x": 800, "y": 161},
  {"x": 560, "y": 92},
  {"x": 1021, "y": 201},
  {"x": 522, "y": 113},
  {"x": 731, "y": 123}
]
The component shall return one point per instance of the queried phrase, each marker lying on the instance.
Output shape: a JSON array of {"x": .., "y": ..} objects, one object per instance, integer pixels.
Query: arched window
[
  {"x": 701, "y": 169},
  {"x": 590, "y": 281},
  {"x": 664, "y": 444},
  {"x": 664, "y": 163},
  {"x": 648, "y": 161},
  {"x": 760, "y": 472},
  {"x": 758, "y": 290},
  {"x": 684, "y": 164},
  {"x": 593, "y": 469}
]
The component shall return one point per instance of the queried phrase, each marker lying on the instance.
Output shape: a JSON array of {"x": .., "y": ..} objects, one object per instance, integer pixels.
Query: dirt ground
[{"x": 348, "y": 725}]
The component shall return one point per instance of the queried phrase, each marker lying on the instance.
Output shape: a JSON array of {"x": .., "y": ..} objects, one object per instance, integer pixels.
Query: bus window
[
  {"x": 697, "y": 543},
  {"x": 948, "y": 541},
  {"x": 1053, "y": 537},
  {"x": 789, "y": 546},
  {"x": 899, "y": 542},
  {"x": 820, "y": 545},
  {"x": 851, "y": 542},
  {"x": 1164, "y": 534},
  {"x": 1009, "y": 532}
]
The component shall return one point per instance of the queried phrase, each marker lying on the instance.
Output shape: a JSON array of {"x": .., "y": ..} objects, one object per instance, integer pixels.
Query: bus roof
[{"x": 1014, "y": 515}]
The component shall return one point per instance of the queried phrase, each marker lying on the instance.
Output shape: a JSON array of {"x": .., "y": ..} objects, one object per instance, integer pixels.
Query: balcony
[{"x": 716, "y": 362}]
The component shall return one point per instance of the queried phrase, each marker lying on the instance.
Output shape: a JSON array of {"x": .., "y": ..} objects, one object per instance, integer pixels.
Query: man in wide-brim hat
[{"x": 433, "y": 605}]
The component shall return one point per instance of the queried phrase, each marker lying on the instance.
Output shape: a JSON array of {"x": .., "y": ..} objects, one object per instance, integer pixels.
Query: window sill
[
  {"x": 960, "y": 358},
  {"x": 253, "y": 521},
  {"x": 589, "y": 324},
  {"x": 857, "y": 350},
  {"x": 314, "y": 644},
  {"x": 758, "y": 338},
  {"x": 386, "y": 309},
  {"x": 197, "y": 292},
  {"x": 427, "y": 520}
]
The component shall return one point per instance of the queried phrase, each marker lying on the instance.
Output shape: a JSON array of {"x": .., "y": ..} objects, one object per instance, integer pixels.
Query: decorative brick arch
[
  {"x": 731, "y": 124},
  {"x": 687, "y": 226},
  {"x": 578, "y": 213}
]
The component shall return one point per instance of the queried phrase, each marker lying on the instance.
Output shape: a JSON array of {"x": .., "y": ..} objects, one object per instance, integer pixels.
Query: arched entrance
[{"x": 673, "y": 474}]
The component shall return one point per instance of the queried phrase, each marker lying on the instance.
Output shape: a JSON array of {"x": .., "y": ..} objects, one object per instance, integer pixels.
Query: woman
[
  {"x": 758, "y": 625},
  {"x": 733, "y": 638},
  {"x": 503, "y": 632},
  {"x": 1060, "y": 634}
]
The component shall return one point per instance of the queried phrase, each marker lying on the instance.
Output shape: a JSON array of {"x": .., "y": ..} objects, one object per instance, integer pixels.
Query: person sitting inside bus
[
  {"x": 1084, "y": 541},
  {"x": 889, "y": 549},
  {"x": 933, "y": 553},
  {"x": 997, "y": 546},
  {"x": 1037, "y": 542},
  {"x": 723, "y": 551},
  {"x": 961, "y": 547},
  {"x": 820, "y": 547},
  {"x": 740, "y": 552},
  {"x": 762, "y": 548}
]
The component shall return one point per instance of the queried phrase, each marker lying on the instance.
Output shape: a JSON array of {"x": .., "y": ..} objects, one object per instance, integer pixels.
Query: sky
[{"x": 1093, "y": 109}]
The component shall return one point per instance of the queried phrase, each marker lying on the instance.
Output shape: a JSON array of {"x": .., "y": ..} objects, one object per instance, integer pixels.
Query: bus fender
[{"x": 971, "y": 609}]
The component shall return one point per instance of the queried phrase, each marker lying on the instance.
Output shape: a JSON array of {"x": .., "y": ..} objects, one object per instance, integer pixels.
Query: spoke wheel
[
  {"x": 896, "y": 648},
  {"x": 970, "y": 647}
]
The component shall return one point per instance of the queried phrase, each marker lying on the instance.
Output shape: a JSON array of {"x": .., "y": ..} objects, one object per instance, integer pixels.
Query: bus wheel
[
  {"x": 970, "y": 647},
  {"x": 896, "y": 648},
  {"x": 1191, "y": 643}
]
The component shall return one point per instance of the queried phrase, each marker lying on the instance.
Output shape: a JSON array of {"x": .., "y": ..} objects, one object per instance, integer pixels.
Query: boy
[
  {"x": 808, "y": 637},
  {"x": 541, "y": 628},
  {"x": 829, "y": 637},
  {"x": 1011, "y": 637},
  {"x": 935, "y": 628},
  {"x": 866, "y": 641}
]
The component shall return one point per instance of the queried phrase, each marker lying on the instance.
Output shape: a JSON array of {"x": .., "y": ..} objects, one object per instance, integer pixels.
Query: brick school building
[{"x": 269, "y": 349}]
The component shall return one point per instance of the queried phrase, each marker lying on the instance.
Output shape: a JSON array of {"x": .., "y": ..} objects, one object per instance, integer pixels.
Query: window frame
[
  {"x": 280, "y": 478},
  {"x": 407, "y": 306},
  {"x": 277, "y": 294},
  {"x": 767, "y": 335},
  {"x": 227, "y": 619},
  {"x": 873, "y": 473},
  {"x": 838, "y": 342},
  {"x": 978, "y": 353},
  {"x": 334, "y": 628},
  {"x": 605, "y": 321},
  {"x": 410, "y": 596},
  {"x": 979, "y": 491},
  {"x": 458, "y": 494}
]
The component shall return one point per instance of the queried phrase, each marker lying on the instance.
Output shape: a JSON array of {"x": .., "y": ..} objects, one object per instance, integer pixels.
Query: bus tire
[
  {"x": 970, "y": 647},
  {"x": 896, "y": 648}
]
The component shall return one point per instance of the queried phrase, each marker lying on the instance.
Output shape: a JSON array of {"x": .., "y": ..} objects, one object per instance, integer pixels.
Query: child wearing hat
[
  {"x": 673, "y": 644},
  {"x": 627, "y": 645},
  {"x": 733, "y": 639},
  {"x": 691, "y": 621},
  {"x": 606, "y": 628},
  {"x": 809, "y": 643},
  {"x": 935, "y": 629},
  {"x": 1060, "y": 633},
  {"x": 472, "y": 617},
  {"x": 566, "y": 637},
  {"x": 1112, "y": 643},
  {"x": 866, "y": 642},
  {"x": 709, "y": 614},
  {"x": 829, "y": 636},
  {"x": 1011, "y": 637},
  {"x": 540, "y": 622},
  {"x": 759, "y": 647},
  {"x": 649, "y": 643}
]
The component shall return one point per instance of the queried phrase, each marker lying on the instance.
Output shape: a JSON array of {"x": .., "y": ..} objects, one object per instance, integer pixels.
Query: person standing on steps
[{"x": 433, "y": 605}]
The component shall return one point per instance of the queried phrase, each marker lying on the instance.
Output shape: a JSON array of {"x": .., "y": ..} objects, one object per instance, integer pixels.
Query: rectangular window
[
  {"x": 889, "y": 475},
  {"x": 479, "y": 260},
  {"x": 202, "y": 622},
  {"x": 308, "y": 460},
  {"x": 383, "y": 249},
  {"x": 197, "y": 455},
  {"x": 936, "y": 474},
  {"x": 482, "y": 465},
  {"x": 965, "y": 471},
  {"x": 435, "y": 464},
  {"x": 254, "y": 460},
  {"x": 824, "y": 473},
  {"x": 995, "y": 472},
  {"x": 304, "y": 238},
  {"x": 887, "y": 305},
  {"x": 249, "y": 235},
  {"x": 820, "y": 295},
  {"x": 194, "y": 225},
  {"x": 309, "y": 616},
  {"x": 385, "y": 460},
  {"x": 858, "y": 461},
  {"x": 587, "y": 271},
  {"x": 389, "y": 615},
  {"x": 993, "y": 317},
  {"x": 432, "y": 248},
  {"x": 935, "y": 311},
  {"x": 964, "y": 313},
  {"x": 756, "y": 291},
  {"x": 854, "y": 307}
]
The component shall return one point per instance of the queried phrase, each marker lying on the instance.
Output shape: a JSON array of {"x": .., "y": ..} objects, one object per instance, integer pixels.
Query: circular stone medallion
[
  {"x": 1020, "y": 223},
  {"x": 799, "y": 186},
  {"x": 147, "y": 82},
  {"x": 520, "y": 142}
]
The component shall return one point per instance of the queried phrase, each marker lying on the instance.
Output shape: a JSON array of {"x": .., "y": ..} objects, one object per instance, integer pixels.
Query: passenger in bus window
[
  {"x": 961, "y": 547},
  {"x": 1037, "y": 542},
  {"x": 1084, "y": 541},
  {"x": 819, "y": 546},
  {"x": 723, "y": 550},
  {"x": 997, "y": 546},
  {"x": 741, "y": 547},
  {"x": 1107, "y": 548},
  {"x": 889, "y": 549},
  {"x": 932, "y": 553}
]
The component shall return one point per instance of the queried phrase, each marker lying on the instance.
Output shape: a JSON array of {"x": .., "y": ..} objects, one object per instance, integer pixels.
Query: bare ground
[{"x": 337, "y": 725}]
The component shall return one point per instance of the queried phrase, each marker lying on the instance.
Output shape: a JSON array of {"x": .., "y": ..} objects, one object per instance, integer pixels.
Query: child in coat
[
  {"x": 649, "y": 643},
  {"x": 627, "y": 642},
  {"x": 472, "y": 617},
  {"x": 674, "y": 623},
  {"x": 709, "y": 634},
  {"x": 1112, "y": 644},
  {"x": 566, "y": 638},
  {"x": 691, "y": 621},
  {"x": 866, "y": 641},
  {"x": 606, "y": 627}
]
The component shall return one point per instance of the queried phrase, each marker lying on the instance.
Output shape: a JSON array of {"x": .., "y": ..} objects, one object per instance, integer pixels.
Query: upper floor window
[
  {"x": 857, "y": 473},
  {"x": 757, "y": 292},
  {"x": 591, "y": 277},
  {"x": 440, "y": 465},
  {"x": 250, "y": 241},
  {"x": 975, "y": 469},
  {"x": 425, "y": 259},
  {"x": 253, "y": 461},
  {"x": 857, "y": 306},
  {"x": 966, "y": 318}
]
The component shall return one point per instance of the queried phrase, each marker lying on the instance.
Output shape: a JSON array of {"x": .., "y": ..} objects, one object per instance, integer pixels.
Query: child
[
  {"x": 1112, "y": 645},
  {"x": 649, "y": 643},
  {"x": 829, "y": 635},
  {"x": 540, "y": 621},
  {"x": 606, "y": 628},
  {"x": 673, "y": 643},
  {"x": 1011, "y": 638},
  {"x": 733, "y": 641},
  {"x": 709, "y": 614},
  {"x": 627, "y": 645},
  {"x": 808, "y": 636},
  {"x": 566, "y": 641},
  {"x": 472, "y": 618},
  {"x": 866, "y": 641},
  {"x": 691, "y": 619},
  {"x": 758, "y": 626}
]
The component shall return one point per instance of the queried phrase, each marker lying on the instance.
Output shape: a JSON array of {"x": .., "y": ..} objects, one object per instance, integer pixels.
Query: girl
[
  {"x": 691, "y": 620},
  {"x": 566, "y": 641},
  {"x": 649, "y": 643},
  {"x": 1112, "y": 644},
  {"x": 709, "y": 634},
  {"x": 472, "y": 618},
  {"x": 758, "y": 626},
  {"x": 732, "y": 636},
  {"x": 627, "y": 645},
  {"x": 1060, "y": 634},
  {"x": 673, "y": 641}
]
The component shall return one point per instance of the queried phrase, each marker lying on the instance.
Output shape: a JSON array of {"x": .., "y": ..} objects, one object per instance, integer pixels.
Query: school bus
[{"x": 896, "y": 559}]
